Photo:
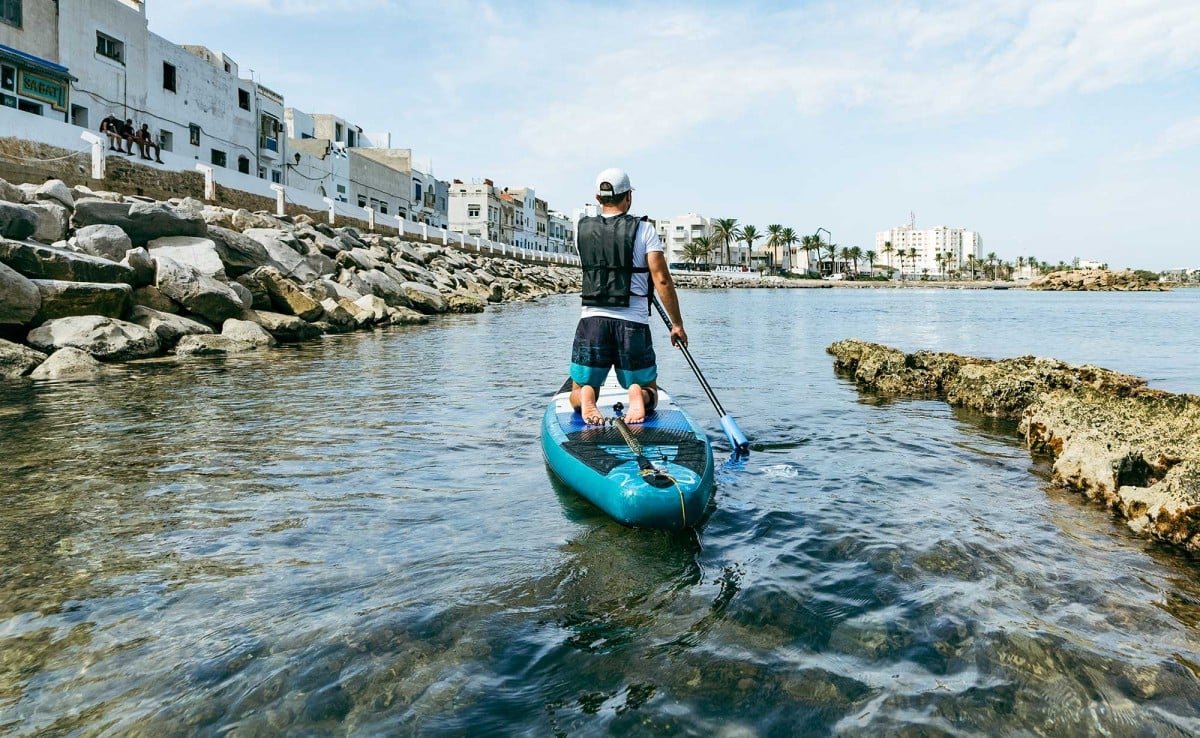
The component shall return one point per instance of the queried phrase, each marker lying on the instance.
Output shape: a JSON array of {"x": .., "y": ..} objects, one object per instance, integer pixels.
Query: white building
[
  {"x": 474, "y": 209},
  {"x": 562, "y": 233},
  {"x": 676, "y": 233},
  {"x": 933, "y": 251},
  {"x": 84, "y": 60}
]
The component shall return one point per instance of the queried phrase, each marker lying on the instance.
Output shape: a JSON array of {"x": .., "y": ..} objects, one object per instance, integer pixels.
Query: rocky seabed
[
  {"x": 88, "y": 278},
  {"x": 1134, "y": 449}
]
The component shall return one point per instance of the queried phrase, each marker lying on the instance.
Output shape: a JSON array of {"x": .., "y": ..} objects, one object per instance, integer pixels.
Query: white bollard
[
  {"x": 98, "y": 155},
  {"x": 478, "y": 244},
  {"x": 210, "y": 185},
  {"x": 330, "y": 204},
  {"x": 425, "y": 231},
  {"x": 445, "y": 237},
  {"x": 371, "y": 220},
  {"x": 278, "y": 200}
]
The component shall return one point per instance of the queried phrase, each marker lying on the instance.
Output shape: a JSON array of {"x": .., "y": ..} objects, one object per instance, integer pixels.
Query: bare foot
[
  {"x": 637, "y": 405},
  {"x": 587, "y": 406}
]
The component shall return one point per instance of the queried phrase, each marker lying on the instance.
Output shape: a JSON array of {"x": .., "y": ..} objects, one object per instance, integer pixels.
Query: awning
[{"x": 35, "y": 64}]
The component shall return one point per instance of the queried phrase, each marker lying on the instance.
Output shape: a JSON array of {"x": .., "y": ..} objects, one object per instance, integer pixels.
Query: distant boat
[{"x": 999, "y": 286}]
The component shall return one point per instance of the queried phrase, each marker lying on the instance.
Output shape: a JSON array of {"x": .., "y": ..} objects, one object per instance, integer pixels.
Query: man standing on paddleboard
[{"x": 622, "y": 257}]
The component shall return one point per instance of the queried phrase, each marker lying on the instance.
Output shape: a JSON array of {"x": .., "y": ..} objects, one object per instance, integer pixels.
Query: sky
[{"x": 1057, "y": 129}]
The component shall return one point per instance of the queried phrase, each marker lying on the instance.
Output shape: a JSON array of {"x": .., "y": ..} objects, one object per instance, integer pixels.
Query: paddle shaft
[{"x": 737, "y": 439}]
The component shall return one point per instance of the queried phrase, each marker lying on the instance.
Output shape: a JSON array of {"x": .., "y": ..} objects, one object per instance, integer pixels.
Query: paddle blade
[{"x": 737, "y": 439}]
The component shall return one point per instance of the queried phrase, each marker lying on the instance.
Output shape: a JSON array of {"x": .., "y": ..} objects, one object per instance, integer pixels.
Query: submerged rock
[
  {"x": 1135, "y": 449},
  {"x": 17, "y": 360},
  {"x": 103, "y": 338},
  {"x": 69, "y": 363}
]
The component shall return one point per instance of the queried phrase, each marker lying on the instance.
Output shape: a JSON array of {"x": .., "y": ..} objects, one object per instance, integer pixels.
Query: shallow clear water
[{"x": 358, "y": 536}]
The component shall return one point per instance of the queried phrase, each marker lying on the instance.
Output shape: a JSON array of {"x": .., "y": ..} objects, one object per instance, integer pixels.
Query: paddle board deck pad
[{"x": 601, "y": 464}]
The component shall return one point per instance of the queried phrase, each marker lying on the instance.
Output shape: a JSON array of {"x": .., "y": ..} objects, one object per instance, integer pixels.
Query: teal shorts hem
[
  {"x": 640, "y": 377},
  {"x": 588, "y": 375}
]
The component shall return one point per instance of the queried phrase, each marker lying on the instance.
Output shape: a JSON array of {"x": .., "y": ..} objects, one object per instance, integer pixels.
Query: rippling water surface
[{"x": 358, "y": 536}]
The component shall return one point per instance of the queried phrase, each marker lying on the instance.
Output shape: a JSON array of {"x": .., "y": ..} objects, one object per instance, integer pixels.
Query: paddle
[{"x": 737, "y": 439}]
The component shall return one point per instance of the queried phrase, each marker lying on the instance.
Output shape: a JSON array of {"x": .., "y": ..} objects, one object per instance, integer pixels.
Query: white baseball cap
[{"x": 612, "y": 182}]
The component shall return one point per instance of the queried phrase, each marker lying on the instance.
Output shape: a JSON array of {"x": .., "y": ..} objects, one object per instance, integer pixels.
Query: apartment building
[
  {"x": 474, "y": 209},
  {"x": 938, "y": 250},
  {"x": 676, "y": 233}
]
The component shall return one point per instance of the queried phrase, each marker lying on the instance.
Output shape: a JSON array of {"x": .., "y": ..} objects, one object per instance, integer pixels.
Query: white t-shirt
[{"x": 638, "y": 311}]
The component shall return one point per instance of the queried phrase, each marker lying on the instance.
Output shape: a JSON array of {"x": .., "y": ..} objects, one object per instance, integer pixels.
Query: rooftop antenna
[{"x": 912, "y": 219}]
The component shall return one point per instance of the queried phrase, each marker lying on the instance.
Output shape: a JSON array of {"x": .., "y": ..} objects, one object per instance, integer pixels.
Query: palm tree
[
  {"x": 912, "y": 256},
  {"x": 888, "y": 250},
  {"x": 844, "y": 253},
  {"x": 750, "y": 234},
  {"x": 833, "y": 252},
  {"x": 697, "y": 249},
  {"x": 725, "y": 230},
  {"x": 871, "y": 261},
  {"x": 788, "y": 238},
  {"x": 855, "y": 255},
  {"x": 972, "y": 261},
  {"x": 991, "y": 261},
  {"x": 774, "y": 238},
  {"x": 810, "y": 244}
]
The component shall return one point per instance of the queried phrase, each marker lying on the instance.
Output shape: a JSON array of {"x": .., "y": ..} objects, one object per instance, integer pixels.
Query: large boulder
[
  {"x": 283, "y": 294},
  {"x": 285, "y": 251},
  {"x": 103, "y": 240},
  {"x": 211, "y": 345},
  {"x": 104, "y": 338},
  {"x": 198, "y": 253},
  {"x": 239, "y": 253},
  {"x": 290, "y": 327},
  {"x": 212, "y": 300},
  {"x": 17, "y": 221},
  {"x": 142, "y": 221},
  {"x": 375, "y": 282},
  {"x": 55, "y": 190},
  {"x": 69, "y": 363},
  {"x": 17, "y": 360},
  {"x": 153, "y": 298},
  {"x": 169, "y": 328},
  {"x": 248, "y": 331},
  {"x": 53, "y": 221},
  {"x": 61, "y": 299},
  {"x": 50, "y": 262},
  {"x": 424, "y": 298},
  {"x": 461, "y": 302},
  {"x": 142, "y": 264},
  {"x": 19, "y": 297},
  {"x": 10, "y": 193}
]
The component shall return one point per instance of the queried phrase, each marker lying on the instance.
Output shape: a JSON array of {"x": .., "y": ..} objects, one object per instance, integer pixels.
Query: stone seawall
[
  {"x": 1134, "y": 449},
  {"x": 88, "y": 277}
]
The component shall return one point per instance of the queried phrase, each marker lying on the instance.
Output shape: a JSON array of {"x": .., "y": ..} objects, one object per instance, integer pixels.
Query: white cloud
[{"x": 1182, "y": 136}]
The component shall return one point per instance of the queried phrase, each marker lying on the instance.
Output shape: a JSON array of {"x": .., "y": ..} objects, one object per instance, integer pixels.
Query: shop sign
[{"x": 41, "y": 88}]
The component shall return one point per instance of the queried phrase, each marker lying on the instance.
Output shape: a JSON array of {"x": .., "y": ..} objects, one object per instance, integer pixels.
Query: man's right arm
[{"x": 660, "y": 275}]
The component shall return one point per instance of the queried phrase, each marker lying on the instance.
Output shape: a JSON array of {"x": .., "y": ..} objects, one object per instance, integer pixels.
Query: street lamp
[{"x": 818, "y": 235}]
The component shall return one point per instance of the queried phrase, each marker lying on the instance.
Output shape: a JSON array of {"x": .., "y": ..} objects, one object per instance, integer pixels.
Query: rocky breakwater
[
  {"x": 91, "y": 277},
  {"x": 1134, "y": 449},
  {"x": 1095, "y": 280}
]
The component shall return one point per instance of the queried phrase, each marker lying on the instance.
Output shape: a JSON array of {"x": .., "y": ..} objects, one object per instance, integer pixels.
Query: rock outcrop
[
  {"x": 1135, "y": 449},
  {"x": 1095, "y": 280}
]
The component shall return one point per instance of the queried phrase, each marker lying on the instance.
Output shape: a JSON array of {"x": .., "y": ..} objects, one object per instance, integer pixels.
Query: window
[
  {"x": 79, "y": 116},
  {"x": 244, "y": 99},
  {"x": 29, "y": 107},
  {"x": 110, "y": 47},
  {"x": 194, "y": 134},
  {"x": 383, "y": 208},
  {"x": 166, "y": 140},
  {"x": 276, "y": 177},
  {"x": 218, "y": 158},
  {"x": 337, "y": 132},
  {"x": 472, "y": 211},
  {"x": 417, "y": 190},
  {"x": 8, "y": 101},
  {"x": 362, "y": 201},
  {"x": 169, "y": 77},
  {"x": 8, "y": 77},
  {"x": 351, "y": 139},
  {"x": 10, "y": 12},
  {"x": 243, "y": 165}
]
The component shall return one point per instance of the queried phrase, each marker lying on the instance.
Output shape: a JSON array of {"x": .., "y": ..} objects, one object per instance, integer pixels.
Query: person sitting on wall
[
  {"x": 146, "y": 143},
  {"x": 111, "y": 127},
  {"x": 129, "y": 135}
]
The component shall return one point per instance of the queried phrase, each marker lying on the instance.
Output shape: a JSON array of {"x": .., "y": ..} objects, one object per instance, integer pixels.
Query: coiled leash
[{"x": 653, "y": 475}]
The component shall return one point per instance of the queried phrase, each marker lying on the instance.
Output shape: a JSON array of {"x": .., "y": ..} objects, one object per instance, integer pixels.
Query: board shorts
[{"x": 604, "y": 343}]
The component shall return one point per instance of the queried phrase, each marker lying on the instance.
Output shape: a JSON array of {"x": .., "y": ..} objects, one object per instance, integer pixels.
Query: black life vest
[{"x": 606, "y": 255}]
